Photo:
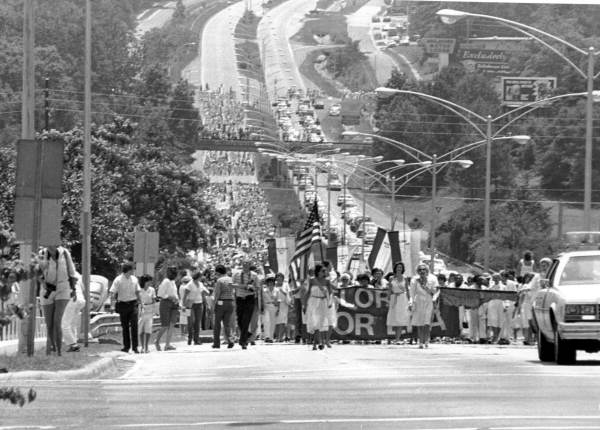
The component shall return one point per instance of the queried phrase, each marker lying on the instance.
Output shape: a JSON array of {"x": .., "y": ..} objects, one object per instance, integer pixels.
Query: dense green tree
[
  {"x": 184, "y": 117},
  {"x": 516, "y": 225}
]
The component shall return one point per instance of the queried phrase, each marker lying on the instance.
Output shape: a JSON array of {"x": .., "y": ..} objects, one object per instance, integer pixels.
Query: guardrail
[
  {"x": 105, "y": 323},
  {"x": 13, "y": 330},
  {"x": 100, "y": 324}
]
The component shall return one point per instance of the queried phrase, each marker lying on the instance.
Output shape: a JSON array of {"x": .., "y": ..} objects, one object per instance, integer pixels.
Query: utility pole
[
  {"x": 46, "y": 104},
  {"x": 345, "y": 215},
  {"x": 29, "y": 287},
  {"x": 86, "y": 216},
  {"x": 433, "y": 211}
]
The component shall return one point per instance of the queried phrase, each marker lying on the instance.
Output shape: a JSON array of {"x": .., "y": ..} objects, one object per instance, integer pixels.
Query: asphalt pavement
[{"x": 355, "y": 386}]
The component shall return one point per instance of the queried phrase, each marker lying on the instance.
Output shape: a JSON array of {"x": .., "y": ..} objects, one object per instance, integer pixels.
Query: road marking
[
  {"x": 386, "y": 420},
  {"x": 26, "y": 427},
  {"x": 544, "y": 428}
]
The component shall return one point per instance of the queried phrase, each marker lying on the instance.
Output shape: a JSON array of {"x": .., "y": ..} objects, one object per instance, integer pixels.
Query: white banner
[{"x": 285, "y": 250}]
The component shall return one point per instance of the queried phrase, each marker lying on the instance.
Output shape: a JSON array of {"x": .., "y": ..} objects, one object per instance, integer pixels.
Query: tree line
[{"x": 144, "y": 125}]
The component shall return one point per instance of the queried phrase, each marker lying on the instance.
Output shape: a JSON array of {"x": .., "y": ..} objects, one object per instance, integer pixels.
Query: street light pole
[
  {"x": 344, "y": 220},
  {"x": 433, "y": 209},
  {"x": 487, "y": 203},
  {"x": 451, "y": 16},
  {"x": 364, "y": 210},
  {"x": 589, "y": 109},
  {"x": 393, "y": 204},
  {"x": 328, "y": 199}
]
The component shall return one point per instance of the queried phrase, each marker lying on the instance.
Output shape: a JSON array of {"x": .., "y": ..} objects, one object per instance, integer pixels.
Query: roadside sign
[
  {"x": 517, "y": 91},
  {"x": 145, "y": 248},
  {"x": 437, "y": 45}
]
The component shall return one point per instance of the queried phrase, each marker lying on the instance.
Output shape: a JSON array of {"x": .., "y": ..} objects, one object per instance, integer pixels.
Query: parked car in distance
[
  {"x": 366, "y": 227},
  {"x": 335, "y": 109},
  {"x": 566, "y": 307},
  {"x": 344, "y": 198},
  {"x": 335, "y": 185},
  {"x": 319, "y": 104}
]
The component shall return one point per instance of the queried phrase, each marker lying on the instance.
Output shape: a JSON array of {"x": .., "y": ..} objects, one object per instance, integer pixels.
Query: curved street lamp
[
  {"x": 450, "y": 16},
  {"x": 472, "y": 118}
]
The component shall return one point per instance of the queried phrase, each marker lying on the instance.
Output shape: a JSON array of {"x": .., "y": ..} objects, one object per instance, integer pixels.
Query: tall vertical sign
[{"x": 145, "y": 252}]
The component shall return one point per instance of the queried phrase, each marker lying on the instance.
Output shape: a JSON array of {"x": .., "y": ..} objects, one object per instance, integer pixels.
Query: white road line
[
  {"x": 545, "y": 428},
  {"x": 26, "y": 427},
  {"x": 388, "y": 420}
]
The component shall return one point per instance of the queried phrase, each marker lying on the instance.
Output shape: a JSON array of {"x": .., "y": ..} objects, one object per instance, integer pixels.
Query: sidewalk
[{"x": 105, "y": 362}]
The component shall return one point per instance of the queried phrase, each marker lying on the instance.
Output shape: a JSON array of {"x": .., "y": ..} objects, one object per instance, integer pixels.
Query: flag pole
[{"x": 320, "y": 232}]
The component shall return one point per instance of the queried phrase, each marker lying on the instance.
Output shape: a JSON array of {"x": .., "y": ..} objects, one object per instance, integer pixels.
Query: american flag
[{"x": 304, "y": 241}]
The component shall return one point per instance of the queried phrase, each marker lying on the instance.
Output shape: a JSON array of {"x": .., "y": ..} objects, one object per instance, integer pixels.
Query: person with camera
[
  {"x": 247, "y": 286},
  {"x": 58, "y": 277},
  {"x": 125, "y": 299}
]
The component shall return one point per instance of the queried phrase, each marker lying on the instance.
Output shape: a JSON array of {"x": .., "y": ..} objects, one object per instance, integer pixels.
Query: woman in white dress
[
  {"x": 270, "y": 307},
  {"x": 284, "y": 300},
  {"x": 398, "y": 315},
  {"x": 317, "y": 306},
  {"x": 495, "y": 308},
  {"x": 423, "y": 292}
]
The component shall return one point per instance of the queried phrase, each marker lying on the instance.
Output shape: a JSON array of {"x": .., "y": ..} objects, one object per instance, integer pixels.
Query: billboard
[
  {"x": 517, "y": 91},
  {"x": 438, "y": 45},
  {"x": 491, "y": 55}
]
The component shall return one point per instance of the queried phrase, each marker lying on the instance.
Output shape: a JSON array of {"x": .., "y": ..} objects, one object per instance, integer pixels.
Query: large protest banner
[{"x": 363, "y": 311}]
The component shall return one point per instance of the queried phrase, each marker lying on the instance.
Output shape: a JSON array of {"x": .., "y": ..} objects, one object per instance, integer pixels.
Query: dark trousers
[
  {"x": 196, "y": 314},
  {"x": 300, "y": 329},
  {"x": 128, "y": 314},
  {"x": 244, "y": 310},
  {"x": 223, "y": 315}
]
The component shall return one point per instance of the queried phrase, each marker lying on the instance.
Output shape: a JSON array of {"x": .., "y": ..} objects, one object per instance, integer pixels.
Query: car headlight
[
  {"x": 588, "y": 309},
  {"x": 580, "y": 311}
]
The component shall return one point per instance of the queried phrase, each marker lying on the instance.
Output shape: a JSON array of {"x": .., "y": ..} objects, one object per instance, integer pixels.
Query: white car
[
  {"x": 335, "y": 185},
  {"x": 566, "y": 308}
]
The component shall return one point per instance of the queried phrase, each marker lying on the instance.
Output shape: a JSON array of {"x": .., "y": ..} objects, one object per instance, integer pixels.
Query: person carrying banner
[
  {"x": 423, "y": 292},
  {"x": 398, "y": 315}
]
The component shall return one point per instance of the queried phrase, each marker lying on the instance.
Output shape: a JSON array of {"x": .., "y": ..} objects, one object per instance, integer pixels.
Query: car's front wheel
[
  {"x": 564, "y": 353},
  {"x": 545, "y": 348}
]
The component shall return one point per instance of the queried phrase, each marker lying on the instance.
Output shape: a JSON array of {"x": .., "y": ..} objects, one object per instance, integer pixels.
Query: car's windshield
[{"x": 581, "y": 270}]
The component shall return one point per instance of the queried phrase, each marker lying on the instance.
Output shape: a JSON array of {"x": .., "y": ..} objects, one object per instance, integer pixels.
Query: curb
[{"x": 91, "y": 370}]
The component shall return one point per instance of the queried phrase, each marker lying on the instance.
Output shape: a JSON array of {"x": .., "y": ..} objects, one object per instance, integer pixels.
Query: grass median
[{"x": 18, "y": 362}]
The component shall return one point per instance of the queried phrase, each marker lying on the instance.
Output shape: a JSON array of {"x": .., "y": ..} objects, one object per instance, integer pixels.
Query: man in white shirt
[{"x": 125, "y": 297}]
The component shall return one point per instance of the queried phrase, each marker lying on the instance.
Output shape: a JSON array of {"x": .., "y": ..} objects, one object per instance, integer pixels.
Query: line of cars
[
  {"x": 361, "y": 225},
  {"x": 299, "y": 122},
  {"x": 389, "y": 32}
]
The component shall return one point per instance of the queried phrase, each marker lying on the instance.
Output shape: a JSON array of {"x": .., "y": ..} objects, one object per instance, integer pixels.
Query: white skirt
[
  {"x": 398, "y": 313},
  {"x": 317, "y": 314}
]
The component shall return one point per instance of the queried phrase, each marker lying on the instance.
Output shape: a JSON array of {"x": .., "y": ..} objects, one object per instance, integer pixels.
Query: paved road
[
  {"x": 275, "y": 29},
  {"x": 359, "y": 28},
  {"x": 159, "y": 16},
  {"x": 346, "y": 387}
]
